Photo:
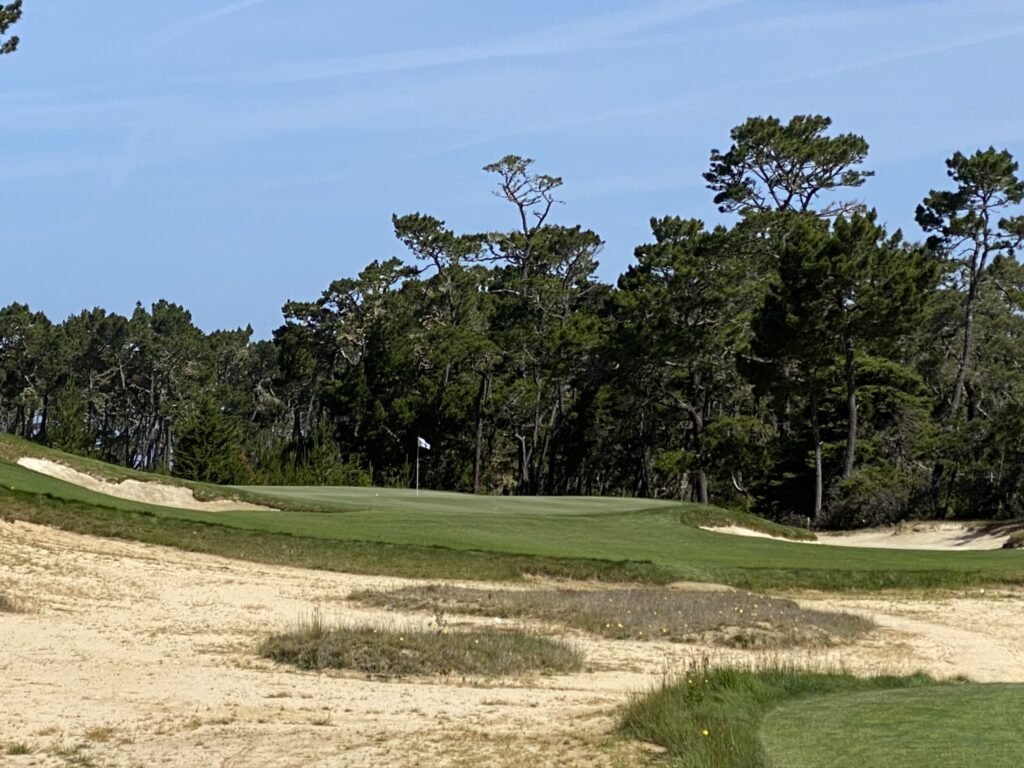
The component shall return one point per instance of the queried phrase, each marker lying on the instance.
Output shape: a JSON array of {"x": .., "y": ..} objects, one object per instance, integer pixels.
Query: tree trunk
[
  {"x": 966, "y": 350},
  {"x": 816, "y": 434},
  {"x": 702, "y": 486},
  {"x": 851, "y": 409},
  {"x": 485, "y": 382}
]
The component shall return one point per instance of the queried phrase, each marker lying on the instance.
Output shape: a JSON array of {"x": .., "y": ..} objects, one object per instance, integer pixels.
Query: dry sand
[
  {"x": 137, "y": 655},
  {"x": 156, "y": 493},
  {"x": 925, "y": 535}
]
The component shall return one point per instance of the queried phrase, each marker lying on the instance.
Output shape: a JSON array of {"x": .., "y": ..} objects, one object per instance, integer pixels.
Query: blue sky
[{"x": 230, "y": 156}]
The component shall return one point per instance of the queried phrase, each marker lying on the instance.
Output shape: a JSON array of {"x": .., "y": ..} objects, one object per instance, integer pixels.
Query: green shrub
[{"x": 873, "y": 496}]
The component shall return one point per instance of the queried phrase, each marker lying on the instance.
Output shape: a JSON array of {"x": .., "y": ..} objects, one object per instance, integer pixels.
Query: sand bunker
[
  {"x": 134, "y": 490},
  {"x": 934, "y": 536}
]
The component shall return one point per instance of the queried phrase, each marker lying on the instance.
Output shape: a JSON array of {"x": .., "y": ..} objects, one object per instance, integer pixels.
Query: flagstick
[{"x": 417, "y": 466}]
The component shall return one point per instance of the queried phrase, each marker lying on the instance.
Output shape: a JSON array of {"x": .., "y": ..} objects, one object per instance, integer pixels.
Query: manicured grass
[
  {"x": 785, "y": 718},
  {"x": 730, "y": 618},
  {"x": 654, "y": 541},
  {"x": 945, "y": 726},
  {"x": 317, "y": 553},
  {"x": 395, "y": 651}
]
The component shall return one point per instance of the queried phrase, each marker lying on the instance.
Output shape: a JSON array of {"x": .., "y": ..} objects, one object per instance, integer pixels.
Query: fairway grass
[
  {"x": 448, "y": 535},
  {"x": 787, "y": 718},
  {"x": 943, "y": 726}
]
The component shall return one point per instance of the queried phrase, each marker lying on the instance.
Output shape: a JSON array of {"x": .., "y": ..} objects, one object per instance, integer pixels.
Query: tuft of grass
[
  {"x": 392, "y": 652},
  {"x": 728, "y": 618},
  {"x": 101, "y": 733},
  {"x": 18, "y": 748},
  {"x": 1016, "y": 540},
  {"x": 8, "y": 604},
  {"x": 712, "y": 717}
]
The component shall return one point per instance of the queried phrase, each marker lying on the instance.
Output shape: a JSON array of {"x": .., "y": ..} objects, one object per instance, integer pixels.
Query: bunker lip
[
  {"x": 155, "y": 493},
  {"x": 938, "y": 536}
]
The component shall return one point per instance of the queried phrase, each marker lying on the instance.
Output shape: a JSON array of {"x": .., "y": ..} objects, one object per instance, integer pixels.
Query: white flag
[{"x": 422, "y": 443}]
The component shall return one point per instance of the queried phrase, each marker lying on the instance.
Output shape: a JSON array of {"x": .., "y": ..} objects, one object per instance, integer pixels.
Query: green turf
[
  {"x": 779, "y": 717},
  {"x": 618, "y": 529},
  {"x": 663, "y": 534},
  {"x": 949, "y": 726}
]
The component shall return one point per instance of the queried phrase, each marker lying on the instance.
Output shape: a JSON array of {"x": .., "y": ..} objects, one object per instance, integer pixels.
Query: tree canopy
[{"x": 801, "y": 360}]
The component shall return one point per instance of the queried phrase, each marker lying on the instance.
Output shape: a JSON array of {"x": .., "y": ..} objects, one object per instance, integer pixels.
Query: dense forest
[{"x": 801, "y": 362}]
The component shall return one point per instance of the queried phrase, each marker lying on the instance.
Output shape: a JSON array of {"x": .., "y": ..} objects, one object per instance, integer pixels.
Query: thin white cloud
[
  {"x": 219, "y": 13},
  {"x": 910, "y": 53},
  {"x": 561, "y": 38},
  {"x": 168, "y": 35}
]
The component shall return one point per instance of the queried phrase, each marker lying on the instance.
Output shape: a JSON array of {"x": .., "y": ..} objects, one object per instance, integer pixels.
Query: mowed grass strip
[
  {"x": 665, "y": 535},
  {"x": 778, "y": 716},
  {"x": 389, "y": 651},
  {"x": 943, "y": 726},
  {"x": 378, "y": 558},
  {"x": 571, "y": 537},
  {"x": 728, "y": 618}
]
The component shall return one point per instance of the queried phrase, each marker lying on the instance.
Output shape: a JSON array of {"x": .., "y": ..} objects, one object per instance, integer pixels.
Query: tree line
[{"x": 801, "y": 361}]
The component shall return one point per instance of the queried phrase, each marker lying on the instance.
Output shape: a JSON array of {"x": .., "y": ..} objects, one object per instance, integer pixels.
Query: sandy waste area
[{"x": 138, "y": 655}]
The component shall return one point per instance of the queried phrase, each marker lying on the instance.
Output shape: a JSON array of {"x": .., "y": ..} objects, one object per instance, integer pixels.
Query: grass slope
[
  {"x": 374, "y": 530},
  {"x": 784, "y": 718}
]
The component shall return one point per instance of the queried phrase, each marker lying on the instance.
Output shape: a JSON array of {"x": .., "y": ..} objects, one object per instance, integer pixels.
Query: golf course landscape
[
  {"x": 483, "y": 385},
  {"x": 764, "y": 643}
]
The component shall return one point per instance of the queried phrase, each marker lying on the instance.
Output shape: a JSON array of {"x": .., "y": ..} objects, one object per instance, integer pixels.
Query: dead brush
[{"x": 728, "y": 618}]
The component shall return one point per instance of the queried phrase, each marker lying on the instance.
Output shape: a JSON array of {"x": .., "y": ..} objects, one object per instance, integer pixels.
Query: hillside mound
[{"x": 155, "y": 493}]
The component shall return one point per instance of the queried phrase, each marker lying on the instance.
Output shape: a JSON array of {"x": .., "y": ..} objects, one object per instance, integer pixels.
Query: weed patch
[
  {"x": 391, "y": 652},
  {"x": 728, "y": 618}
]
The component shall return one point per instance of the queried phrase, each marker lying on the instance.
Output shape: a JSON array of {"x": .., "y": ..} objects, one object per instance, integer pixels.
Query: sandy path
[{"x": 140, "y": 655}]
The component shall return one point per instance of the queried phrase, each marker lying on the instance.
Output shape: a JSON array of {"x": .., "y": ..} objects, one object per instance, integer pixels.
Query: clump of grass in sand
[
  {"x": 18, "y": 748},
  {"x": 728, "y": 618},
  {"x": 9, "y": 605},
  {"x": 392, "y": 651}
]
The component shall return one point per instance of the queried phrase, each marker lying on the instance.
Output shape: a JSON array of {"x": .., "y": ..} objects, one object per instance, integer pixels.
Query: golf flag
[{"x": 422, "y": 443}]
